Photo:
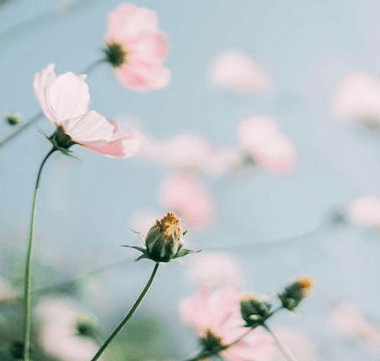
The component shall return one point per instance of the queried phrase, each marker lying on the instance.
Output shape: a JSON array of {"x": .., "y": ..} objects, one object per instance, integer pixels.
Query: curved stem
[
  {"x": 28, "y": 263},
  {"x": 39, "y": 115},
  {"x": 281, "y": 345},
  {"x": 129, "y": 314}
]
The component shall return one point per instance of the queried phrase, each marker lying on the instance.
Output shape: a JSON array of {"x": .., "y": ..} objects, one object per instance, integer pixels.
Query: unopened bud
[
  {"x": 164, "y": 241},
  {"x": 296, "y": 292},
  {"x": 13, "y": 118},
  {"x": 254, "y": 309}
]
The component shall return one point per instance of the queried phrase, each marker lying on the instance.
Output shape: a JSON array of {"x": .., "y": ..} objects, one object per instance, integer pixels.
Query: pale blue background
[{"x": 83, "y": 211}]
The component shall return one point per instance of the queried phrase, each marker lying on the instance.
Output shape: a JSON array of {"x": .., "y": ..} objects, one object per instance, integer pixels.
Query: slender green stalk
[
  {"x": 28, "y": 263},
  {"x": 129, "y": 314},
  {"x": 281, "y": 345},
  {"x": 39, "y": 115}
]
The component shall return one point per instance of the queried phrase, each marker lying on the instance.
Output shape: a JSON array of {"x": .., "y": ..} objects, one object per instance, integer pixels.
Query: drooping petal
[
  {"x": 41, "y": 85},
  {"x": 128, "y": 22},
  {"x": 142, "y": 76},
  {"x": 90, "y": 128},
  {"x": 68, "y": 97},
  {"x": 123, "y": 144}
]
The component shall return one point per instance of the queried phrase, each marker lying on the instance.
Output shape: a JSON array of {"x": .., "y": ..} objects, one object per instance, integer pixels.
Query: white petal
[
  {"x": 68, "y": 97},
  {"x": 41, "y": 85},
  {"x": 91, "y": 128}
]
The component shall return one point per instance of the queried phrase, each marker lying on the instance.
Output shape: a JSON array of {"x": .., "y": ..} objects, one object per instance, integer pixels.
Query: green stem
[
  {"x": 129, "y": 314},
  {"x": 28, "y": 263},
  {"x": 39, "y": 115},
  {"x": 281, "y": 345}
]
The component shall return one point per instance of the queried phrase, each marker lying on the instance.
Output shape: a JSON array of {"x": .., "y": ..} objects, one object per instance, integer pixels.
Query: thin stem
[
  {"x": 281, "y": 345},
  {"x": 39, "y": 115},
  {"x": 129, "y": 314},
  {"x": 28, "y": 263}
]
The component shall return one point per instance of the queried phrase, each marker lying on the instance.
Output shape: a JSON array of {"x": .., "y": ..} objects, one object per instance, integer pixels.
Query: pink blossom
[
  {"x": 261, "y": 138},
  {"x": 58, "y": 320},
  {"x": 357, "y": 99},
  {"x": 236, "y": 72},
  {"x": 189, "y": 197},
  {"x": 65, "y": 100},
  {"x": 215, "y": 268},
  {"x": 364, "y": 211},
  {"x": 137, "y": 47},
  {"x": 193, "y": 153},
  {"x": 218, "y": 313}
]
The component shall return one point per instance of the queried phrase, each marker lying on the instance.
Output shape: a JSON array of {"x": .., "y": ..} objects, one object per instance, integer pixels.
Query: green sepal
[{"x": 185, "y": 251}]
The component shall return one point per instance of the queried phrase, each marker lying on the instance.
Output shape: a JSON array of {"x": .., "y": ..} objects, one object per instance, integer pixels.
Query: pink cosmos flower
[
  {"x": 59, "y": 332},
  {"x": 357, "y": 99},
  {"x": 65, "y": 100},
  {"x": 189, "y": 197},
  {"x": 136, "y": 48},
  {"x": 364, "y": 211},
  {"x": 236, "y": 72},
  {"x": 216, "y": 315},
  {"x": 192, "y": 153},
  {"x": 262, "y": 140}
]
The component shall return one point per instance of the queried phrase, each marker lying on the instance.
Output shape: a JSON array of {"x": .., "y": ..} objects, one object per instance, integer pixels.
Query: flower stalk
[
  {"x": 284, "y": 349},
  {"x": 129, "y": 314},
  {"x": 28, "y": 262}
]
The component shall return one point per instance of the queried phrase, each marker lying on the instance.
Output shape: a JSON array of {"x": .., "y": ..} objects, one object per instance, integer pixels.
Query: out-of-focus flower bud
[
  {"x": 254, "y": 309},
  {"x": 13, "y": 118},
  {"x": 164, "y": 240},
  {"x": 296, "y": 292}
]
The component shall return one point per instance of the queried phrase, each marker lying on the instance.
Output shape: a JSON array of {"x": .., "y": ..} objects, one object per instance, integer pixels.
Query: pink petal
[
  {"x": 141, "y": 76},
  {"x": 41, "y": 85},
  {"x": 121, "y": 145},
  {"x": 68, "y": 97},
  {"x": 150, "y": 47},
  {"x": 91, "y": 128},
  {"x": 128, "y": 22}
]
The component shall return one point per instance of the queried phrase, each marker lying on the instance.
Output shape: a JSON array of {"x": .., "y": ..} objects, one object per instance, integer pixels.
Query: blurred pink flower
[
  {"x": 65, "y": 100},
  {"x": 189, "y": 197},
  {"x": 364, "y": 211},
  {"x": 349, "y": 319},
  {"x": 357, "y": 99},
  {"x": 7, "y": 293},
  {"x": 192, "y": 153},
  {"x": 261, "y": 138},
  {"x": 236, "y": 72},
  {"x": 136, "y": 47},
  {"x": 215, "y": 268},
  {"x": 217, "y": 314},
  {"x": 59, "y": 330}
]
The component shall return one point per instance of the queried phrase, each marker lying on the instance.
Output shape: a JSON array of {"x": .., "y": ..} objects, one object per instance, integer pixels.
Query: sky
[{"x": 85, "y": 204}]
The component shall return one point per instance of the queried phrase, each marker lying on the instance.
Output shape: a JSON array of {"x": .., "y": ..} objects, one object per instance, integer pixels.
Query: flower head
[
  {"x": 65, "y": 332},
  {"x": 215, "y": 317},
  {"x": 236, "y": 72},
  {"x": 364, "y": 211},
  {"x": 254, "y": 309},
  {"x": 164, "y": 240},
  {"x": 296, "y": 292},
  {"x": 357, "y": 99},
  {"x": 188, "y": 196},
  {"x": 265, "y": 144},
  {"x": 136, "y": 48},
  {"x": 65, "y": 100}
]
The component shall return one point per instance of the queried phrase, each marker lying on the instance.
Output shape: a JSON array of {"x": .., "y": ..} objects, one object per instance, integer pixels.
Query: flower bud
[
  {"x": 13, "y": 118},
  {"x": 296, "y": 292},
  {"x": 163, "y": 241},
  {"x": 254, "y": 309}
]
